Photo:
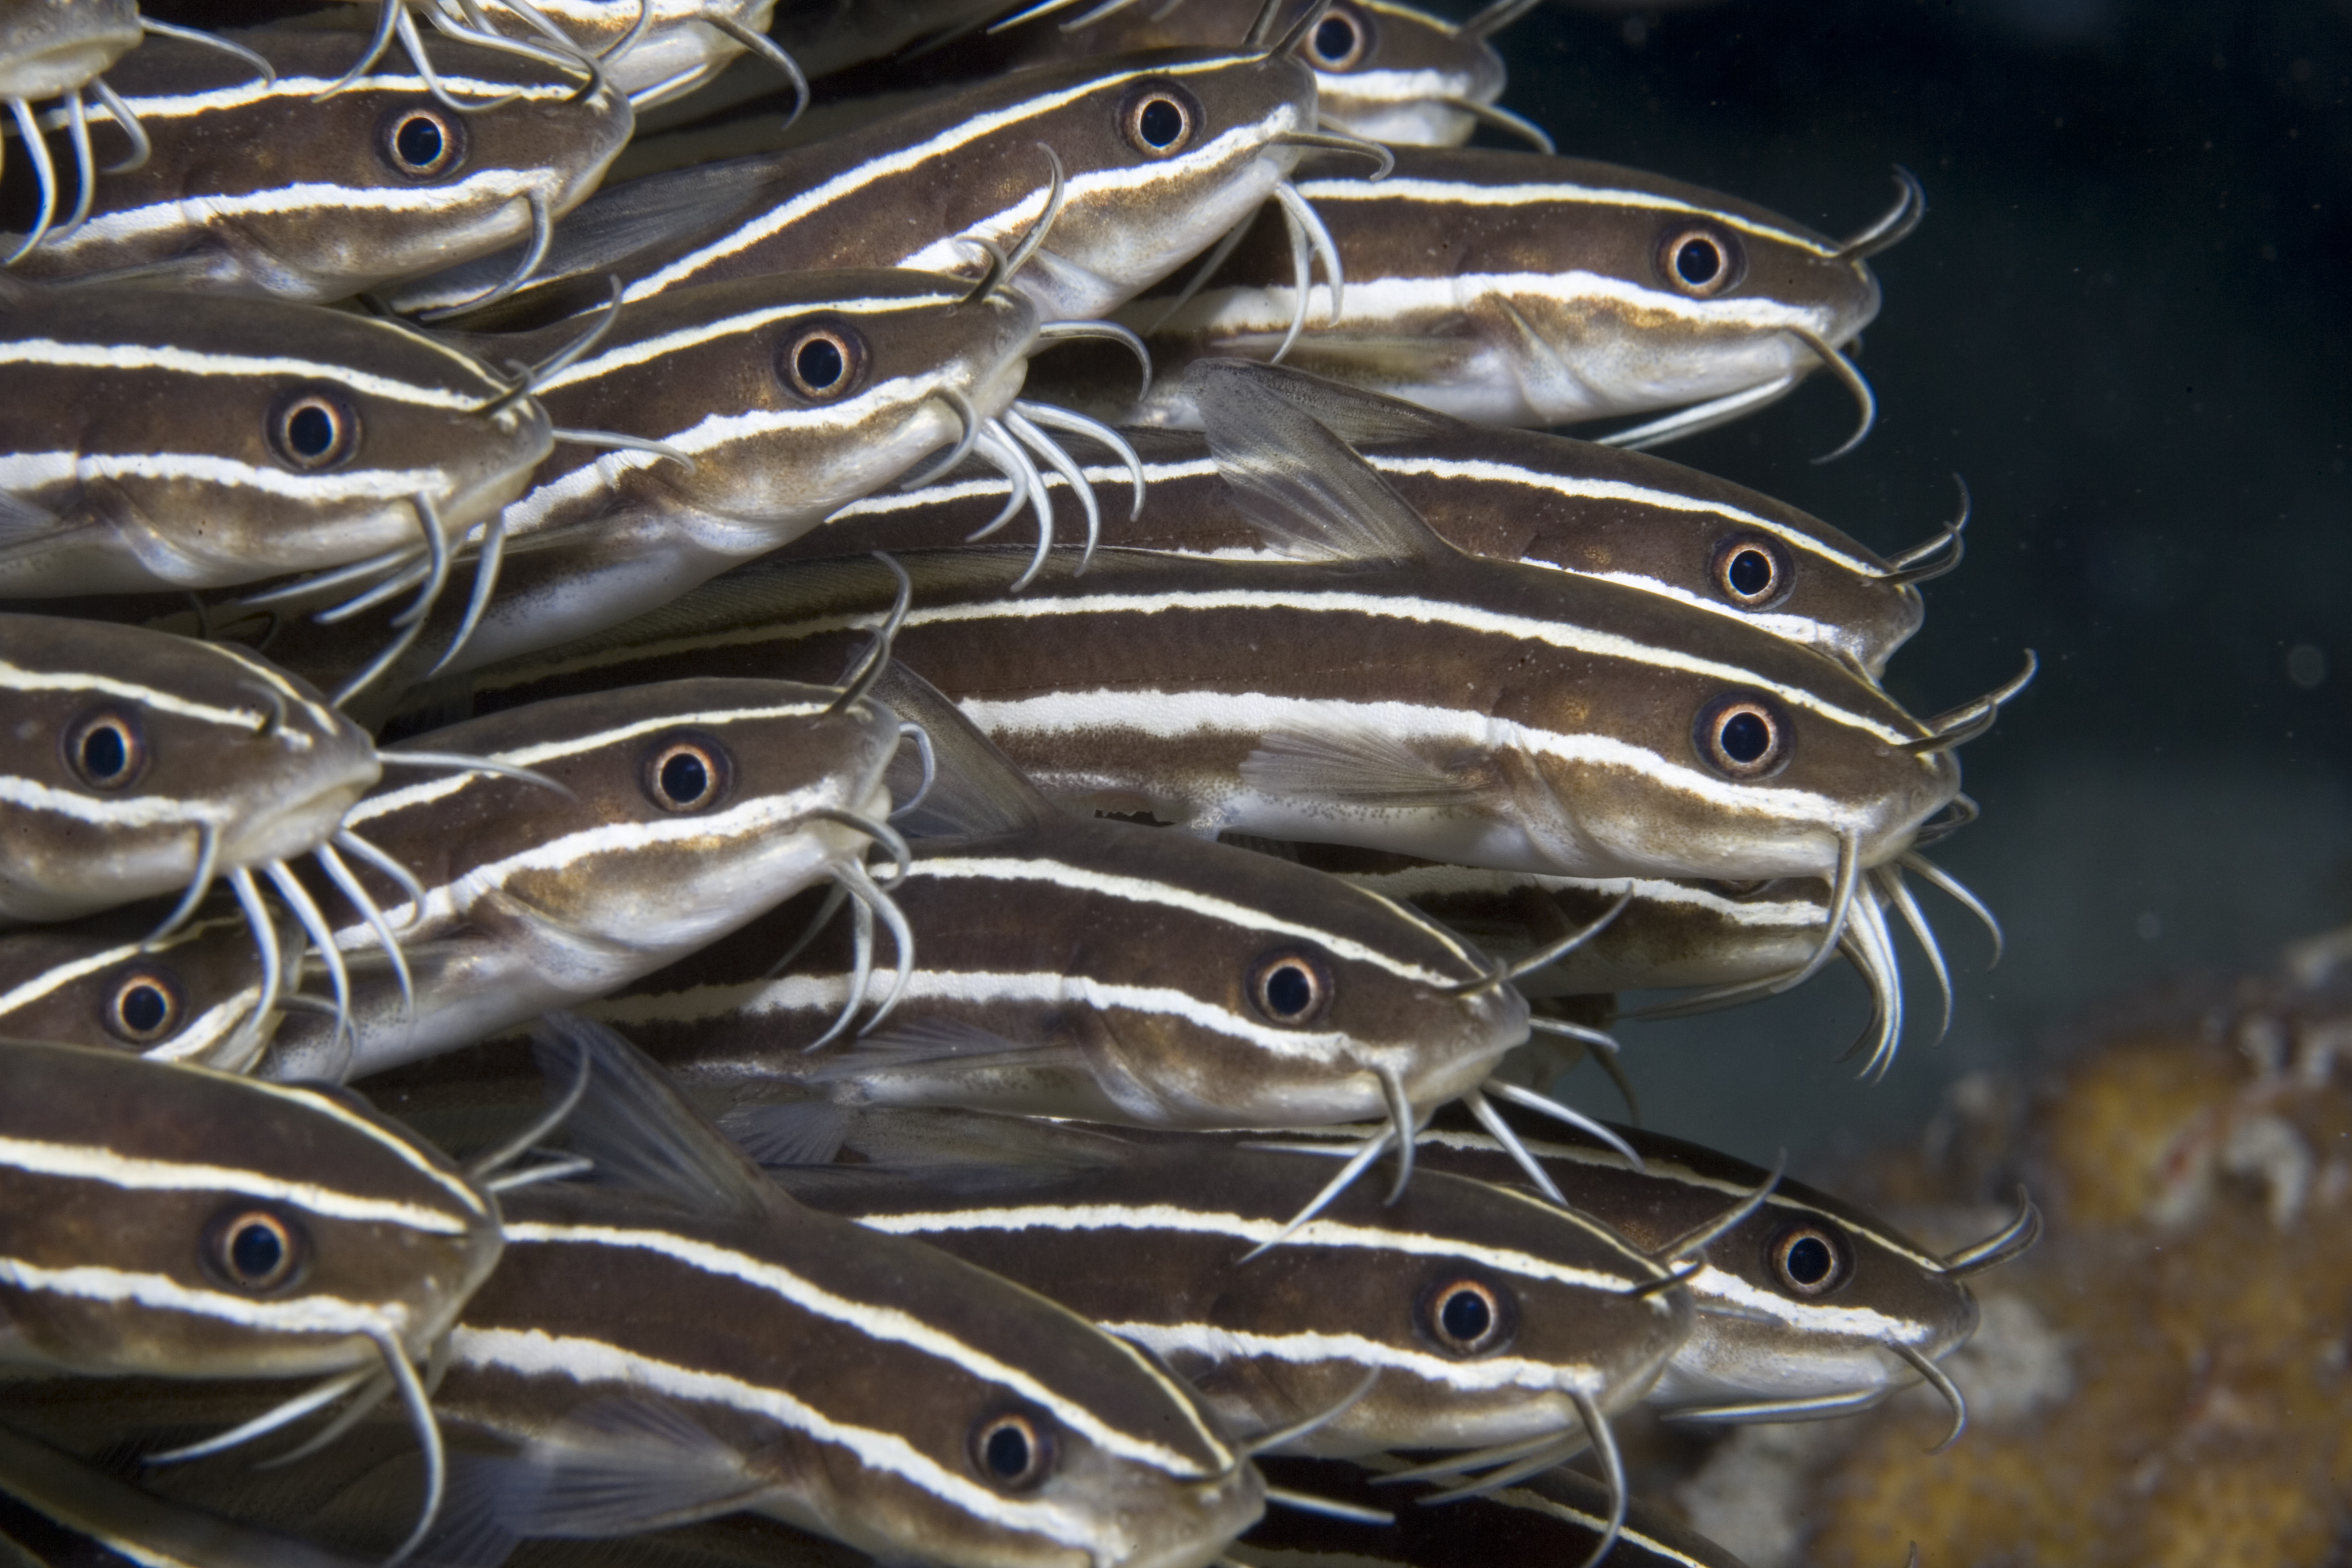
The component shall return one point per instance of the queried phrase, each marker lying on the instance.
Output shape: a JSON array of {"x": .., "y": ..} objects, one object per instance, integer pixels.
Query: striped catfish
[
  {"x": 714, "y": 424},
  {"x": 1672, "y": 934},
  {"x": 1733, "y": 941},
  {"x": 200, "y": 993},
  {"x": 1157, "y": 156},
  {"x": 80, "y": 1514},
  {"x": 1514, "y": 495},
  {"x": 60, "y": 48},
  {"x": 263, "y": 186},
  {"x": 1556, "y": 1516},
  {"x": 868, "y": 1387},
  {"x": 147, "y": 764},
  {"x": 296, "y": 438},
  {"x": 1059, "y": 963},
  {"x": 168, "y": 1220},
  {"x": 1403, "y": 695},
  {"x": 1460, "y": 1316},
  {"x": 679, "y": 811},
  {"x": 1514, "y": 289},
  {"x": 656, "y": 51},
  {"x": 1387, "y": 72},
  {"x": 1809, "y": 1306}
]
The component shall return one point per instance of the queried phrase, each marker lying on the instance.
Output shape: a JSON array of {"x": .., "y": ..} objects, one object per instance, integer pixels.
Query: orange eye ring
[
  {"x": 1341, "y": 41},
  {"x": 687, "y": 774},
  {"x": 1700, "y": 260},
  {"x": 422, "y": 142},
  {"x": 1809, "y": 1260},
  {"x": 1744, "y": 736},
  {"x": 314, "y": 429},
  {"x": 1467, "y": 1317},
  {"x": 254, "y": 1250},
  {"x": 1011, "y": 1451},
  {"x": 145, "y": 1006},
  {"x": 1160, "y": 118},
  {"x": 106, "y": 749},
  {"x": 822, "y": 363},
  {"x": 1290, "y": 986},
  {"x": 1751, "y": 570}
]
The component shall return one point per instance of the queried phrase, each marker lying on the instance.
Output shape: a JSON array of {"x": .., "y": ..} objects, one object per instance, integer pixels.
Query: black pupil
[
  {"x": 1696, "y": 261},
  {"x": 1745, "y": 737},
  {"x": 144, "y": 1008},
  {"x": 310, "y": 431},
  {"x": 105, "y": 752},
  {"x": 255, "y": 1252},
  {"x": 418, "y": 142},
  {"x": 819, "y": 362},
  {"x": 1751, "y": 573},
  {"x": 1007, "y": 1452},
  {"x": 1162, "y": 122},
  {"x": 684, "y": 778},
  {"x": 1465, "y": 1316},
  {"x": 1808, "y": 1260},
  {"x": 1288, "y": 991},
  {"x": 1334, "y": 36}
]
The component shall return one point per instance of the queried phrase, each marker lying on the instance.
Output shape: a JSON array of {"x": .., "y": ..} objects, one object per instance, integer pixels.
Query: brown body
[
  {"x": 1515, "y": 288},
  {"x": 154, "y": 441},
  {"x": 129, "y": 748},
  {"x": 1150, "y": 1242},
  {"x": 128, "y": 1184},
  {"x": 915, "y": 189},
  {"x": 1163, "y": 680},
  {"x": 1509, "y": 495},
  {"x": 265, "y": 188}
]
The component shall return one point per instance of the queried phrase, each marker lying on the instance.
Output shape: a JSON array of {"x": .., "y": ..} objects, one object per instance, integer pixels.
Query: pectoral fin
[{"x": 1362, "y": 767}]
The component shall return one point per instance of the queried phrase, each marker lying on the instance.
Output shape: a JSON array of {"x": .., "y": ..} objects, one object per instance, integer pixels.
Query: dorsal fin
[
  {"x": 978, "y": 791},
  {"x": 1359, "y": 418},
  {"x": 1306, "y": 490},
  {"x": 641, "y": 1131}
]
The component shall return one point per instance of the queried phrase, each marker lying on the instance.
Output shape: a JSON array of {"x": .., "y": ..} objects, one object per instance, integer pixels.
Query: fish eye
[
  {"x": 313, "y": 430},
  {"x": 1751, "y": 570},
  {"x": 1700, "y": 260},
  {"x": 146, "y": 1004},
  {"x": 254, "y": 1250},
  {"x": 821, "y": 362},
  {"x": 422, "y": 142},
  {"x": 1290, "y": 986},
  {"x": 1809, "y": 1260},
  {"x": 105, "y": 749},
  {"x": 1744, "y": 736},
  {"x": 1160, "y": 119},
  {"x": 1010, "y": 1451},
  {"x": 1339, "y": 41},
  {"x": 1465, "y": 1316},
  {"x": 685, "y": 773}
]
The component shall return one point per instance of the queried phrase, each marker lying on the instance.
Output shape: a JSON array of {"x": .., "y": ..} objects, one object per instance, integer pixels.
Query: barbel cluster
[{"x": 591, "y": 967}]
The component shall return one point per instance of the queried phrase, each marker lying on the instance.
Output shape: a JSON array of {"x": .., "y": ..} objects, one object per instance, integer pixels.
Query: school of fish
[{"x": 803, "y": 784}]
